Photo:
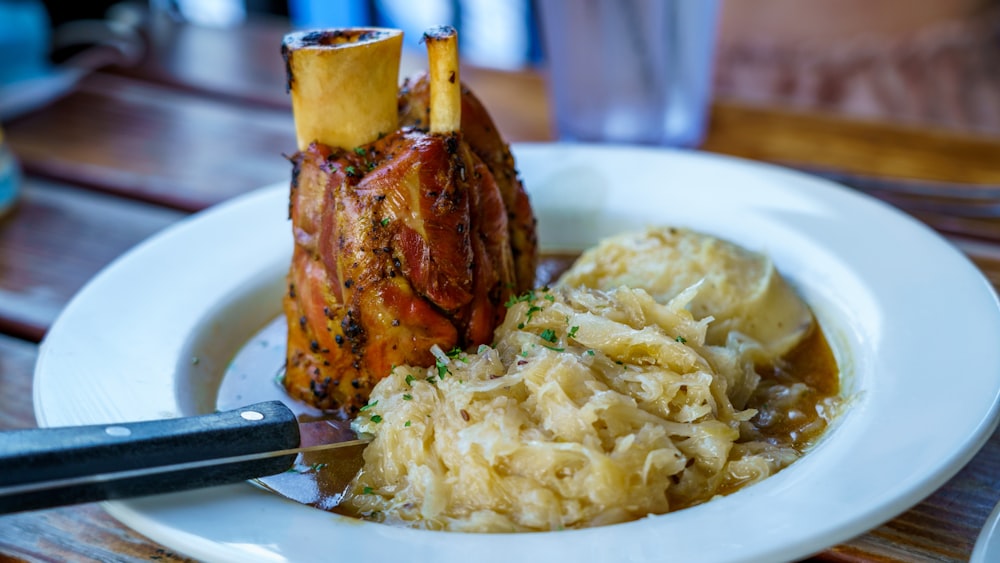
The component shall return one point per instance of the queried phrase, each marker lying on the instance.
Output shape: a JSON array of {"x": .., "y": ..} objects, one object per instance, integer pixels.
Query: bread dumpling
[{"x": 740, "y": 289}]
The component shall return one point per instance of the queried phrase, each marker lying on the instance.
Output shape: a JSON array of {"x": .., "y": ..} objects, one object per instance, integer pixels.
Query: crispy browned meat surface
[
  {"x": 484, "y": 139},
  {"x": 414, "y": 240}
]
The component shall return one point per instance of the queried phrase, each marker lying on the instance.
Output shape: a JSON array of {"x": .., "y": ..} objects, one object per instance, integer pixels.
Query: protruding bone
[
  {"x": 445, "y": 87},
  {"x": 343, "y": 84}
]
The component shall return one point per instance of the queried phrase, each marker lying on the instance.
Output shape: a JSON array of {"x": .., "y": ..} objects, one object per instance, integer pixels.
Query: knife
[{"x": 48, "y": 467}]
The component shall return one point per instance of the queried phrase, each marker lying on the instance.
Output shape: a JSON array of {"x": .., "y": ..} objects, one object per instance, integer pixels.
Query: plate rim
[{"x": 126, "y": 511}]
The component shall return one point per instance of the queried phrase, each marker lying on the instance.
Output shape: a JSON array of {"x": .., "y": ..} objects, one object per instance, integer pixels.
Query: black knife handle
[{"x": 53, "y": 455}]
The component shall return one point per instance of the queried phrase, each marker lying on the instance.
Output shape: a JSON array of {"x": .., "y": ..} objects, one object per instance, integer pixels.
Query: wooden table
[{"x": 135, "y": 150}]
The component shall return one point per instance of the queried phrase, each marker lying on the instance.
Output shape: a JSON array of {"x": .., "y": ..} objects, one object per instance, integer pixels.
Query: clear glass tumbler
[{"x": 630, "y": 71}]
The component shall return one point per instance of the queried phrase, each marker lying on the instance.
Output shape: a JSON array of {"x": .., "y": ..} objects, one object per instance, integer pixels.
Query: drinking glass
[{"x": 630, "y": 71}]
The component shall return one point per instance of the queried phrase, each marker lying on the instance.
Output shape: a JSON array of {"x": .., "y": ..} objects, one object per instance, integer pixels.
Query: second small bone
[{"x": 445, "y": 84}]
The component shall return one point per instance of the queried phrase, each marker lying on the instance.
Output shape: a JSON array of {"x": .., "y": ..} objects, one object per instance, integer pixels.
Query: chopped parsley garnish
[
  {"x": 376, "y": 418},
  {"x": 385, "y": 221},
  {"x": 572, "y": 331},
  {"x": 442, "y": 369},
  {"x": 407, "y": 424},
  {"x": 523, "y": 298},
  {"x": 409, "y": 379},
  {"x": 360, "y": 151},
  {"x": 681, "y": 339},
  {"x": 407, "y": 397},
  {"x": 554, "y": 349},
  {"x": 369, "y": 405},
  {"x": 318, "y": 466},
  {"x": 549, "y": 335},
  {"x": 350, "y": 170},
  {"x": 367, "y": 491}
]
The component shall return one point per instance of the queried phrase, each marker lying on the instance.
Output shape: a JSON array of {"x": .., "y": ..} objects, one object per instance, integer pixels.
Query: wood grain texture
[
  {"x": 984, "y": 254},
  {"x": 79, "y": 533},
  {"x": 56, "y": 239},
  {"x": 860, "y": 147},
  {"x": 148, "y": 143},
  {"x": 17, "y": 361}
]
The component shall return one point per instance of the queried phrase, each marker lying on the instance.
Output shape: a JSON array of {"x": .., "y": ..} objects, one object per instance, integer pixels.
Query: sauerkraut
[{"x": 595, "y": 405}]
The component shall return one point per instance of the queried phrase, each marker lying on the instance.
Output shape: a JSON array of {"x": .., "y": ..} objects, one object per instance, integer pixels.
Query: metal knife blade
[{"x": 46, "y": 467}]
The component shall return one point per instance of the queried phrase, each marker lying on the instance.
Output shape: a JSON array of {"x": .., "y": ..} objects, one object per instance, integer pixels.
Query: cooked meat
[
  {"x": 414, "y": 240},
  {"x": 478, "y": 130}
]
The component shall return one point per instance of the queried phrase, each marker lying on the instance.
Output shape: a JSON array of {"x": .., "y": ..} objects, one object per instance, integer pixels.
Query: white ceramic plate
[
  {"x": 913, "y": 324},
  {"x": 987, "y": 546}
]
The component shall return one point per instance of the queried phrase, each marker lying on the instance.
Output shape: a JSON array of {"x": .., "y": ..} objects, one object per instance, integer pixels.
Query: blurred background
[
  {"x": 927, "y": 62},
  {"x": 122, "y": 118}
]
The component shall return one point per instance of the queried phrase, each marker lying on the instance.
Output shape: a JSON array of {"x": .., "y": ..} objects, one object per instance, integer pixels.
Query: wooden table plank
[
  {"x": 79, "y": 533},
  {"x": 55, "y": 240},
  {"x": 17, "y": 363},
  {"x": 985, "y": 255},
  {"x": 154, "y": 144},
  {"x": 852, "y": 146}
]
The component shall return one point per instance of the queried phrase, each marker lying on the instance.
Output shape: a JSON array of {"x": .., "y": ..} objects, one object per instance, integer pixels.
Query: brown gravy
[{"x": 793, "y": 399}]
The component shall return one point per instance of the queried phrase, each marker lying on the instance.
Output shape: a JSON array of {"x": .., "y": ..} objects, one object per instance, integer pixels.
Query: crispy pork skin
[
  {"x": 485, "y": 141},
  {"x": 413, "y": 240}
]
